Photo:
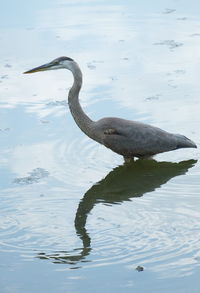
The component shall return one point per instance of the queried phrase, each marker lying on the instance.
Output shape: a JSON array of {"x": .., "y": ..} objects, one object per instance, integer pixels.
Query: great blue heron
[{"x": 127, "y": 138}]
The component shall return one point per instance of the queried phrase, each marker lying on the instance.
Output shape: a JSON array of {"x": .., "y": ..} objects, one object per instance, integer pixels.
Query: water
[{"x": 73, "y": 217}]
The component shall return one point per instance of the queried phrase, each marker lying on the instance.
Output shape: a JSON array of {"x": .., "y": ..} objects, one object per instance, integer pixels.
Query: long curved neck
[{"x": 81, "y": 119}]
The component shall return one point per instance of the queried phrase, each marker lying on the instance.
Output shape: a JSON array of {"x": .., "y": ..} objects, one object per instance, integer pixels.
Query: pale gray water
[{"x": 72, "y": 217}]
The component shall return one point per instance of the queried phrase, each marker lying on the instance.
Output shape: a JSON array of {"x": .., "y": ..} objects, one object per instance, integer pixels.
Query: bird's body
[
  {"x": 125, "y": 137},
  {"x": 134, "y": 139}
]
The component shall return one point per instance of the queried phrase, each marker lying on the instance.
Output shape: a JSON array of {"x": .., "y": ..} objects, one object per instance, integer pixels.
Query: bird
[{"x": 130, "y": 139}]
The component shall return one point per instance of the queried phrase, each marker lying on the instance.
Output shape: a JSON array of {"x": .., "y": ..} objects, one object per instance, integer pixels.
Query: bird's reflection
[{"x": 121, "y": 184}]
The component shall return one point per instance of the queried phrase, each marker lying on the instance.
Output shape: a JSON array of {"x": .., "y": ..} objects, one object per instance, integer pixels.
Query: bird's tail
[{"x": 184, "y": 142}]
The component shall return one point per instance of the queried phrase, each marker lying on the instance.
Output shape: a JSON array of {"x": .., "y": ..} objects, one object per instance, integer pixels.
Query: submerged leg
[
  {"x": 128, "y": 159},
  {"x": 147, "y": 157}
]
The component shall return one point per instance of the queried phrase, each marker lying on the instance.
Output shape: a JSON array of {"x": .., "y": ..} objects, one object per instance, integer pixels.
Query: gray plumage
[{"x": 127, "y": 138}]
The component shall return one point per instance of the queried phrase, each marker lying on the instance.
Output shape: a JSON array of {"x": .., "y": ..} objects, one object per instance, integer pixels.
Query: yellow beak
[{"x": 39, "y": 68}]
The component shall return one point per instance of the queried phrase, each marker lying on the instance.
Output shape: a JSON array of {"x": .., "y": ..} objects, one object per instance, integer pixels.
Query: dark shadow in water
[{"x": 121, "y": 184}]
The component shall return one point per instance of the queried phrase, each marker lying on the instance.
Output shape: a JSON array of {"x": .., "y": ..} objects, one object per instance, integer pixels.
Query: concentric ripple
[
  {"x": 81, "y": 161},
  {"x": 158, "y": 229},
  {"x": 158, "y": 232},
  {"x": 72, "y": 209}
]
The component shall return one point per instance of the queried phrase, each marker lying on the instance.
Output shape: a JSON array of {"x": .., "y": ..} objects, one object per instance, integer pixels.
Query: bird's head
[{"x": 58, "y": 63}]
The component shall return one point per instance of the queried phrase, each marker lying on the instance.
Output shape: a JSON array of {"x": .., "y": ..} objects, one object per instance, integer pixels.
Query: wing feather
[{"x": 130, "y": 138}]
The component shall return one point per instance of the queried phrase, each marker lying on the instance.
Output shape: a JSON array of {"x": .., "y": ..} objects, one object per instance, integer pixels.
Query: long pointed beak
[{"x": 39, "y": 68}]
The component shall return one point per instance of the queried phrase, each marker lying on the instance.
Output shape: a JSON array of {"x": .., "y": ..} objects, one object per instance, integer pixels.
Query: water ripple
[
  {"x": 81, "y": 160},
  {"x": 35, "y": 175},
  {"x": 159, "y": 231},
  {"x": 163, "y": 240}
]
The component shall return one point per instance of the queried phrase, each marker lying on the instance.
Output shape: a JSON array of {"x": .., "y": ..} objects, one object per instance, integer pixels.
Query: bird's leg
[{"x": 128, "y": 159}]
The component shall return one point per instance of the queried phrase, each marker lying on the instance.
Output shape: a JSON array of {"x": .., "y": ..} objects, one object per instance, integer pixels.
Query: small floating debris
[
  {"x": 139, "y": 269},
  {"x": 44, "y": 121},
  {"x": 168, "y": 11},
  {"x": 171, "y": 84},
  {"x": 34, "y": 176},
  {"x": 5, "y": 129},
  {"x": 195, "y": 35},
  {"x": 7, "y": 65},
  {"x": 91, "y": 66},
  {"x": 5, "y": 76},
  {"x": 197, "y": 258},
  {"x": 182, "y": 18},
  {"x": 179, "y": 71},
  {"x": 113, "y": 78},
  {"x": 154, "y": 97},
  {"x": 170, "y": 43},
  {"x": 57, "y": 103}
]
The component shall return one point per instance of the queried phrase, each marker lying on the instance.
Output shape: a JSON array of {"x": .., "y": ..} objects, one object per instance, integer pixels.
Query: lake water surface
[{"x": 73, "y": 218}]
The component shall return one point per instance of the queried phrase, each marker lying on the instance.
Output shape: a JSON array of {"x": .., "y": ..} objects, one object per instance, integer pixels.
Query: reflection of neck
[
  {"x": 123, "y": 183},
  {"x": 80, "y": 222}
]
